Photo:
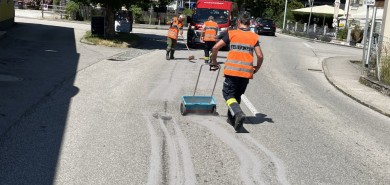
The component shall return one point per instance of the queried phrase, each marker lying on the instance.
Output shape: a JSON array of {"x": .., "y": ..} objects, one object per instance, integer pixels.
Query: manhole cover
[{"x": 9, "y": 78}]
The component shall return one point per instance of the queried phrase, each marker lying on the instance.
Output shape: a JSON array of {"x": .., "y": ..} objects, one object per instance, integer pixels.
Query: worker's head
[
  {"x": 181, "y": 17},
  {"x": 244, "y": 18},
  {"x": 211, "y": 18}
]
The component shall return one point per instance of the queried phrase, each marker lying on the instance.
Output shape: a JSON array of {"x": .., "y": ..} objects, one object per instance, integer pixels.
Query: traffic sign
[{"x": 369, "y": 2}]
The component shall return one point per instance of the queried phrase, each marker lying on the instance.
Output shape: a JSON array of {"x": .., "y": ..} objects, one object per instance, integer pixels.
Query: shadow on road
[
  {"x": 150, "y": 42},
  {"x": 32, "y": 122},
  {"x": 258, "y": 119}
]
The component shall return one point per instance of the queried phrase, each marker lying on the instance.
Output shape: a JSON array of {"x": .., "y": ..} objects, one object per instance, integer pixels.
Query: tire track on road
[
  {"x": 250, "y": 168},
  {"x": 179, "y": 163},
  {"x": 155, "y": 158},
  {"x": 280, "y": 168}
]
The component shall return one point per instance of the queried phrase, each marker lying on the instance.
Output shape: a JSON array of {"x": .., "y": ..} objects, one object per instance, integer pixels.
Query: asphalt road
[{"x": 111, "y": 116}]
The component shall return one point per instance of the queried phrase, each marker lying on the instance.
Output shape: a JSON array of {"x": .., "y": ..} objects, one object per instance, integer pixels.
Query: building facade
[{"x": 7, "y": 13}]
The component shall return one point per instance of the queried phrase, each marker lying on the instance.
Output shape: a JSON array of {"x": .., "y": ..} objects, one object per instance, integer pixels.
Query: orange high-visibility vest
[
  {"x": 174, "y": 29},
  {"x": 210, "y": 31},
  {"x": 239, "y": 61}
]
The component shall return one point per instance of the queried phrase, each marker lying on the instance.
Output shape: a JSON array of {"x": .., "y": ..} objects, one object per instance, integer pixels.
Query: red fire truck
[{"x": 223, "y": 12}]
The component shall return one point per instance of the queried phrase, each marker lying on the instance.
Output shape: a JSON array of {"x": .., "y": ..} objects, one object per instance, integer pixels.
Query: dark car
[{"x": 266, "y": 26}]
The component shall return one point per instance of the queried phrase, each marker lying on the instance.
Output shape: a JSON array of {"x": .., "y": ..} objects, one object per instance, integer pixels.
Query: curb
[
  {"x": 330, "y": 80},
  {"x": 380, "y": 87}
]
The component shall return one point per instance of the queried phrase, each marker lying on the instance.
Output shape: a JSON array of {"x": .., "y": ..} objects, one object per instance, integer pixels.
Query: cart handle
[{"x": 212, "y": 68}]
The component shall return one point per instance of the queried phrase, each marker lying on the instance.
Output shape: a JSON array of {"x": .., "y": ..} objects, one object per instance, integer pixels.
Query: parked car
[{"x": 266, "y": 26}]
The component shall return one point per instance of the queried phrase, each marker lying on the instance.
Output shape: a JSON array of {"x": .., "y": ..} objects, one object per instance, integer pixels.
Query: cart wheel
[
  {"x": 182, "y": 109},
  {"x": 214, "y": 110}
]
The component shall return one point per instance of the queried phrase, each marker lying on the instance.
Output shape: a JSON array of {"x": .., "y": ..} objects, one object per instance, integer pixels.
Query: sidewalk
[{"x": 345, "y": 76}]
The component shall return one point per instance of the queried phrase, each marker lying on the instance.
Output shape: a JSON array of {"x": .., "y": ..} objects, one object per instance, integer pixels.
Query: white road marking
[
  {"x": 307, "y": 45},
  {"x": 249, "y": 105},
  {"x": 155, "y": 158}
]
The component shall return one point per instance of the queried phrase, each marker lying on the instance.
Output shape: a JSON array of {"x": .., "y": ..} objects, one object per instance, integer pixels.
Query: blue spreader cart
[{"x": 199, "y": 104}]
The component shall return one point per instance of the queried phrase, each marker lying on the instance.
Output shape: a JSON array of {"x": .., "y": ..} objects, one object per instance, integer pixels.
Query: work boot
[
  {"x": 206, "y": 60},
  {"x": 172, "y": 53},
  {"x": 239, "y": 120},
  {"x": 167, "y": 56},
  {"x": 230, "y": 118}
]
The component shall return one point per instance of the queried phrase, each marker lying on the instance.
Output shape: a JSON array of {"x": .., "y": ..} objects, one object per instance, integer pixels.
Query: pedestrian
[
  {"x": 253, "y": 24},
  {"x": 130, "y": 20},
  {"x": 239, "y": 66},
  {"x": 209, "y": 36},
  {"x": 175, "y": 28}
]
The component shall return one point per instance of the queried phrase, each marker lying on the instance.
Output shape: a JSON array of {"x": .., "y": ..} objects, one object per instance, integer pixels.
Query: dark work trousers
[
  {"x": 234, "y": 87},
  {"x": 208, "y": 45},
  {"x": 171, "y": 44}
]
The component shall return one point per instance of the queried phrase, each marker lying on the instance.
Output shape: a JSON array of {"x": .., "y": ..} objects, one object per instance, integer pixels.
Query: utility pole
[
  {"x": 311, "y": 2},
  {"x": 346, "y": 20},
  {"x": 284, "y": 17},
  {"x": 336, "y": 15}
]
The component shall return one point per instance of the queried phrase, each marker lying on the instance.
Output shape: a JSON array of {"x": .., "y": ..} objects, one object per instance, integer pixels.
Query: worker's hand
[{"x": 255, "y": 69}]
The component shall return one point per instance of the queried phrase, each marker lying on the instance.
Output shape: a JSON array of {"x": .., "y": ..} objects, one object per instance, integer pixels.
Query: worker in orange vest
[
  {"x": 176, "y": 28},
  {"x": 209, "y": 36},
  {"x": 239, "y": 66}
]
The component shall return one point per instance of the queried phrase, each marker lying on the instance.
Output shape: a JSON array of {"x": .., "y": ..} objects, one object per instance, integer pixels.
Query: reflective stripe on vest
[
  {"x": 210, "y": 31},
  {"x": 239, "y": 61},
  {"x": 174, "y": 29}
]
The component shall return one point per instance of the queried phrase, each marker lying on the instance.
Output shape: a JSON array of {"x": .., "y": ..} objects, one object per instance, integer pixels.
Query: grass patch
[
  {"x": 385, "y": 71},
  {"x": 356, "y": 61},
  {"x": 120, "y": 40}
]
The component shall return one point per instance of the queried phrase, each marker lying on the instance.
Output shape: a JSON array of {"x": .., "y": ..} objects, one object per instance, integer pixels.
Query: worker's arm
[
  {"x": 180, "y": 26},
  {"x": 223, "y": 42},
  {"x": 170, "y": 22},
  {"x": 215, "y": 50},
  {"x": 259, "y": 55}
]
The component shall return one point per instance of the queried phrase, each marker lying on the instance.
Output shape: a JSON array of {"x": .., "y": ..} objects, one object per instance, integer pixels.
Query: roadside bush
[
  {"x": 187, "y": 12},
  {"x": 72, "y": 8},
  {"x": 286, "y": 31},
  {"x": 137, "y": 13},
  {"x": 385, "y": 72},
  {"x": 326, "y": 38},
  {"x": 56, "y": 2},
  {"x": 357, "y": 34},
  {"x": 342, "y": 34},
  {"x": 312, "y": 35},
  {"x": 300, "y": 34}
]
